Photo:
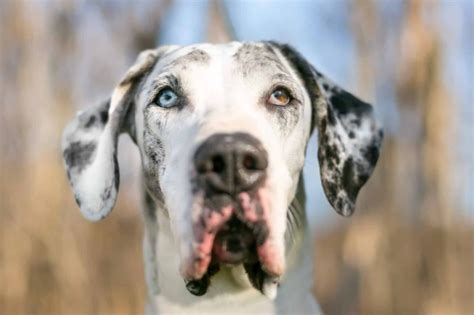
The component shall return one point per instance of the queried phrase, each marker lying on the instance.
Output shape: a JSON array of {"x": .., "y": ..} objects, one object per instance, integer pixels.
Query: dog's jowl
[{"x": 222, "y": 132}]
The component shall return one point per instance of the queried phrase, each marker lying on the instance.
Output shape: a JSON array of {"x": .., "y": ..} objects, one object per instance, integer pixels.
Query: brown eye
[{"x": 279, "y": 97}]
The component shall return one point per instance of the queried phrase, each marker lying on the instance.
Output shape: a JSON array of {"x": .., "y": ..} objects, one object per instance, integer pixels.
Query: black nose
[{"x": 231, "y": 163}]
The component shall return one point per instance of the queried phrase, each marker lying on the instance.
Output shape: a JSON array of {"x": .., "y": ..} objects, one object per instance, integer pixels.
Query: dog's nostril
[
  {"x": 218, "y": 164},
  {"x": 215, "y": 165},
  {"x": 230, "y": 163},
  {"x": 249, "y": 162}
]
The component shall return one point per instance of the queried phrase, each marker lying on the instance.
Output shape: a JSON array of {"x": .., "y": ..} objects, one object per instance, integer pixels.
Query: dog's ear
[
  {"x": 349, "y": 137},
  {"x": 89, "y": 143}
]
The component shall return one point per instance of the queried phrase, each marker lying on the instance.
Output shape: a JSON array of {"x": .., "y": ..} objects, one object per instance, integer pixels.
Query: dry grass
[
  {"x": 53, "y": 261},
  {"x": 380, "y": 265}
]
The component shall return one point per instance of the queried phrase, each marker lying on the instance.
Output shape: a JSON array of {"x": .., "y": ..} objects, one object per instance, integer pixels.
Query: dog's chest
[{"x": 245, "y": 303}]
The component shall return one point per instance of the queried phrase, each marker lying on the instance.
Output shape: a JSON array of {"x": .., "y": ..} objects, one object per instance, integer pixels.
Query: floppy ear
[
  {"x": 348, "y": 135},
  {"x": 89, "y": 144}
]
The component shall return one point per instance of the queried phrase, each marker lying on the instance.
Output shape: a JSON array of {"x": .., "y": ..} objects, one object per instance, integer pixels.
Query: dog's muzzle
[
  {"x": 227, "y": 165},
  {"x": 231, "y": 210}
]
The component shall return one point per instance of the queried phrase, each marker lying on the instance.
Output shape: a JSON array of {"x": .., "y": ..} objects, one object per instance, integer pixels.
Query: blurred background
[{"x": 408, "y": 249}]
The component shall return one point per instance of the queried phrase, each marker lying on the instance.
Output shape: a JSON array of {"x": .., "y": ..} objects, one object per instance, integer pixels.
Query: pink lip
[{"x": 254, "y": 212}]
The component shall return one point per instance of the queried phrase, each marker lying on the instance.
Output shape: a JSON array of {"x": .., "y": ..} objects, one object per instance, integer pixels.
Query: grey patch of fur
[
  {"x": 195, "y": 56},
  {"x": 78, "y": 154},
  {"x": 153, "y": 148},
  {"x": 94, "y": 117},
  {"x": 106, "y": 193},
  {"x": 257, "y": 57},
  {"x": 153, "y": 164}
]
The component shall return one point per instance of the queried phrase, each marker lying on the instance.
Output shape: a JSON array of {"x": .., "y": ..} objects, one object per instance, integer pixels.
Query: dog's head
[{"x": 222, "y": 132}]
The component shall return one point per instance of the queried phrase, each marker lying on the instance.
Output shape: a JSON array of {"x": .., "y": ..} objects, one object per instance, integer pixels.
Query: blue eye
[{"x": 166, "y": 98}]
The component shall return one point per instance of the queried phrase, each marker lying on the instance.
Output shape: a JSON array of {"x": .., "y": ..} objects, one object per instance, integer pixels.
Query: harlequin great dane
[{"x": 222, "y": 132}]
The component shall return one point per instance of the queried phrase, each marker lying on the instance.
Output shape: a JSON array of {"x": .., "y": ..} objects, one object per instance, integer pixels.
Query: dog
[{"x": 222, "y": 132}]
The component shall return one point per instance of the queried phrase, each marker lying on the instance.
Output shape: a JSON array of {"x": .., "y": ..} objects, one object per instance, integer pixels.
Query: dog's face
[{"x": 222, "y": 132}]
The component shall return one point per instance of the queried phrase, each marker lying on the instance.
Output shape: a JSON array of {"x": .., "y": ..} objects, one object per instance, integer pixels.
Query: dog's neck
[{"x": 230, "y": 287}]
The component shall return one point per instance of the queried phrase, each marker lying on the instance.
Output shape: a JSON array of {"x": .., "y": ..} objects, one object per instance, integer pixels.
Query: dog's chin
[{"x": 233, "y": 231}]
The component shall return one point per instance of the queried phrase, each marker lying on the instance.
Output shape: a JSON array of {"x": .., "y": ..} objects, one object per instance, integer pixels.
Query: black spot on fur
[
  {"x": 331, "y": 190},
  {"x": 363, "y": 177},
  {"x": 106, "y": 193},
  {"x": 339, "y": 204},
  {"x": 90, "y": 122},
  {"x": 349, "y": 182},
  {"x": 96, "y": 116},
  {"x": 331, "y": 118},
  {"x": 78, "y": 154},
  {"x": 330, "y": 153},
  {"x": 371, "y": 154},
  {"x": 345, "y": 103},
  {"x": 78, "y": 201},
  {"x": 104, "y": 116},
  {"x": 356, "y": 122},
  {"x": 116, "y": 173},
  {"x": 331, "y": 164},
  {"x": 324, "y": 126},
  {"x": 154, "y": 149}
]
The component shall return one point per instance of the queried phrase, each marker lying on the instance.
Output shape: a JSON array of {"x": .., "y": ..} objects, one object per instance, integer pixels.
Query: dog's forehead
[{"x": 241, "y": 58}]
